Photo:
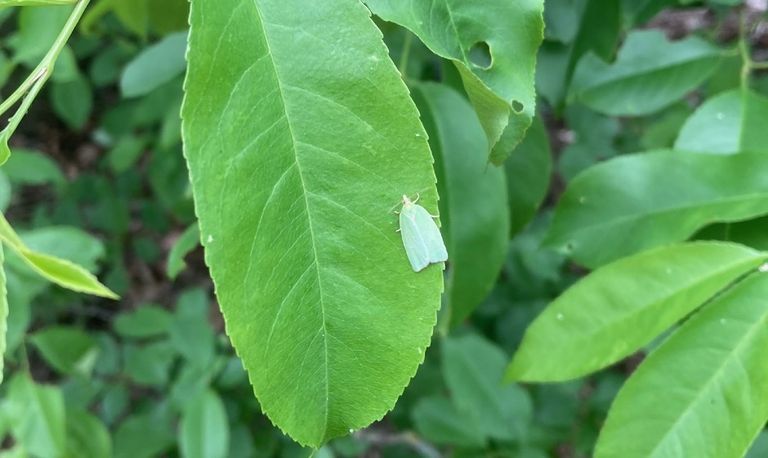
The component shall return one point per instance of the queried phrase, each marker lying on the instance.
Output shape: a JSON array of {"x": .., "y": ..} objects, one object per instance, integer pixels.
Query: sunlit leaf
[
  {"x": 702, "y": 392},
  {"x": 299, "y": 156},
  {"x": 729, "y": 123},
  {"x": 636, "y": 202},
  {"x": 620, "y": 307}
]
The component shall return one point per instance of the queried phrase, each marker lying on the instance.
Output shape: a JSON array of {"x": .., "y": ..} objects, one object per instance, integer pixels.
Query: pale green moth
[{"x": 421, "y": 237}]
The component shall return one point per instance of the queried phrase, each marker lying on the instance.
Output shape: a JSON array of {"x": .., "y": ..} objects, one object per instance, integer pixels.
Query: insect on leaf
[{"x": 421, "y": 237}]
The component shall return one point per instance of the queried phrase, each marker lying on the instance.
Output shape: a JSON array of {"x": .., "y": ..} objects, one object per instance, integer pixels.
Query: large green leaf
[
  {"x": 529, "y": 171},
  {"x": 473, "y": 198},
  {"x": 635, "y": 202},
  {"x": 204, "y": 430},
  {"x": 299, "y": 155},
  {"x": 729, "y": 123},
  {"x": 702, "y": 392},
  {"x": 644, "y": 80},
  {"x": 493, "y": 45},
  {"x": 620, "y": 307}
]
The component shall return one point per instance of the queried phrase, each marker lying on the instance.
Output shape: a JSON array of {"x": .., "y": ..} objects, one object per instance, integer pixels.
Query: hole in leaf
[
  {"x": 480, "y": 55},
  {"x": 518, "y": 106}
]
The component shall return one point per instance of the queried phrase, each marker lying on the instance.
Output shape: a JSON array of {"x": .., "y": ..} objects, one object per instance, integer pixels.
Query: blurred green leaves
[
  {"x": 473, "y": 199},
  {"x": 642, "y": 80},
  {"x": 204, "y": 428},
  {"x": 480, "y": 408},
  {"x": 66, "y": 349},
  {"x": 155, "y": 66},
  {"x": 681, "y": 194}
]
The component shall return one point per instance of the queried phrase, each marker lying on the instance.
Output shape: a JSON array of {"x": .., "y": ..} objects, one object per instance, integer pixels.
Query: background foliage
[{"x": 97, "y": 177}]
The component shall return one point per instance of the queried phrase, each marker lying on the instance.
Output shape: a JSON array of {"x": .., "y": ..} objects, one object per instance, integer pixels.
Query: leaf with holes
[
  {"x": 493, "y": 45},
  {"x": 299, "y": 156},
  {"x": 681, "y": 193},
  {"x": 702, "y": 392}
]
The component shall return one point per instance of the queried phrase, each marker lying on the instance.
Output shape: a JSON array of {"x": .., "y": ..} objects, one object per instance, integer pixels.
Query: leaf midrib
[
  {"x": 294, "y": 142},
  {"x": 591, "y": 337},
  {"x": 715, "y": 376},
  {"x": 465, "y": 58},
  {"x": 650, "y": 72},
  {"x": 641, "y": 216}
]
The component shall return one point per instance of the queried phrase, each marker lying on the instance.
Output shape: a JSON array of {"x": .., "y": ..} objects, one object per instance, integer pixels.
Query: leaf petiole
[{"x": 31, "y": 86}]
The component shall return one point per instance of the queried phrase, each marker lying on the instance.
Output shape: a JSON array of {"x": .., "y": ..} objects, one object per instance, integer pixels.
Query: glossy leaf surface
[
  {"x": 729, "y": 123},
  {"x": 643, "y": 80},
  {"x": 636, "y": 202},
  {"x": 702, "y": 392},
  {"x": 620, "y": 307},
  {"x": 299, "y": 156}
]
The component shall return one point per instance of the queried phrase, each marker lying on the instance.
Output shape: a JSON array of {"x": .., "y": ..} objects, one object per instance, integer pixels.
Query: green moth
[{"x": 421, "y": 237}]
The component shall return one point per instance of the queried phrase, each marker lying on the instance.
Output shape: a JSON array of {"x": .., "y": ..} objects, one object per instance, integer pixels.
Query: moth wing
[
  {"x": 413, "y": 241},
  {"x": 433, "y": 239}
]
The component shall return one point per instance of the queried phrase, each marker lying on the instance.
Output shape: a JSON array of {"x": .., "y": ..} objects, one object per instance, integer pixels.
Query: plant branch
[
  {"x": 405, "y": 55},
  {"x": 32, "y": 85},
  {"x": 4, "y": 3}
]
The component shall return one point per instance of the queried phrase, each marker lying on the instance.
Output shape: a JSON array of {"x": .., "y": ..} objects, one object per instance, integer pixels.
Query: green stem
[
  {"x": 748, "y": 65},
  {"x": 759, "y": 65},
  {"x": 32, "y": 85},
  {"x": 4, "y": 3},
  {"x": 405, "y": 55}
]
